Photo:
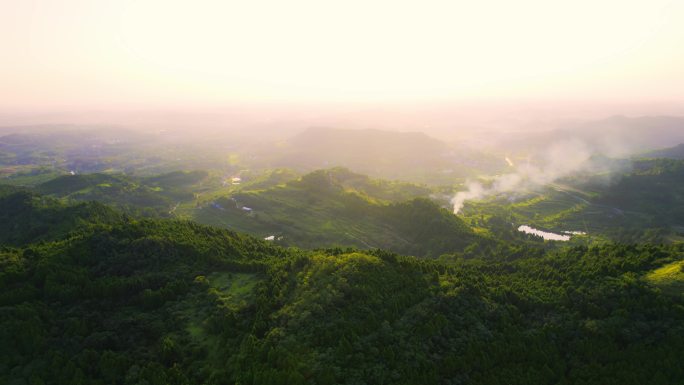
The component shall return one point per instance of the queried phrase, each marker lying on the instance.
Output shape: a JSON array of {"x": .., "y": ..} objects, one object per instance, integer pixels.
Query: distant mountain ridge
[
  {"x": 616, "y": 136},
  {"x": 676, "y": 152},
  {"x": 412, "y": 156}
]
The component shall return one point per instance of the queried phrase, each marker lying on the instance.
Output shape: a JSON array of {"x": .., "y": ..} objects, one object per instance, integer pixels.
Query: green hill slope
[
  {"x": 150, "y": 196},
  {"x": 26, "y": 217},
  {"x": 676, "y": 152},
  {"x": 173, "y": 302},
  {"x": 644, "y": 204},
  {"x": 339, "y": 208},
  {"x": 408, "y": 156}
]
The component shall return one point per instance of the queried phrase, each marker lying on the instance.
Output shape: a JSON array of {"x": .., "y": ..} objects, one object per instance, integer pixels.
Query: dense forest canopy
[
  {"x": 90, "y": 295},
  {"x": 221, "y": 273}
]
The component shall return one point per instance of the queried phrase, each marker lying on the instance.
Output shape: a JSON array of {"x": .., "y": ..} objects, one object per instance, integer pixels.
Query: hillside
[
  {"x": 156, "y": 195},
  {"x": 408, "y": 156},
  {"x": 643, "y": 204},
  {"x": 26, "y": 217},
  {"x": 173, "y": 302},
  {"x": 676, "y": 152},
  {"x": 334, "y": 207},
  {"x": 364, "y": 150},
  {"x": 32, "y": 155},
  {"x": 614, "y": 136},
  {"x": 150, "y": 196},
  {"x": 339, "y": 208}
]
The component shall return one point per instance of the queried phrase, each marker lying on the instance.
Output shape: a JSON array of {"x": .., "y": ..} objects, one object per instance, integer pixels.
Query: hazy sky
[{"x": 209, "y": 52}]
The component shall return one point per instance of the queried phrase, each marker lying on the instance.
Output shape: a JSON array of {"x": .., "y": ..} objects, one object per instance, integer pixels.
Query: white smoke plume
[{"x": 558, "y": 161}]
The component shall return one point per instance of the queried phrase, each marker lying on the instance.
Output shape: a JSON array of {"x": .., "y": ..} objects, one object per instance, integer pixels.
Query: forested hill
[
  {"x": 26, "y": 217},
  {"x": 113, "y": 300},
  {"x": 643, "y": 203},
  {"x": 325, "y": 208},
  {"x": 339, "y": 208},
  {"x": 409, "y": 156},
  {"x": 142, "y": 196},
  {"x": 676, "y": 152}
]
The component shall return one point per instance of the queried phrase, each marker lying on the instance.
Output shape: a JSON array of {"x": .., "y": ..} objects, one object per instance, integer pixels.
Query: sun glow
[{"x": 221, "y": 51}]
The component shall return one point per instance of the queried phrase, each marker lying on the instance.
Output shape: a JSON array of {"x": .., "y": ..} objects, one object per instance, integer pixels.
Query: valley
[{"x": 233, "y": 274}]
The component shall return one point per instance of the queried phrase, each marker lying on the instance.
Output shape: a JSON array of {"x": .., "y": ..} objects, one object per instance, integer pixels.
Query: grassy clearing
[
  {"x": 233, "y": 288},
  {"x": 669, "y": 277}
]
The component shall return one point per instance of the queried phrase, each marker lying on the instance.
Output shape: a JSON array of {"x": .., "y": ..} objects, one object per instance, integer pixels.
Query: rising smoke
[{"x": 557, "y": 161}]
